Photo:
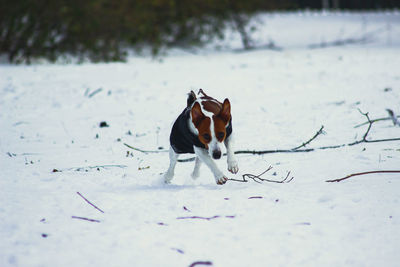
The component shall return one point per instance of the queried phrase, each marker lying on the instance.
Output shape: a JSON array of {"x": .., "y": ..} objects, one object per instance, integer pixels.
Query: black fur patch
[{"x": 191, "y": 98}]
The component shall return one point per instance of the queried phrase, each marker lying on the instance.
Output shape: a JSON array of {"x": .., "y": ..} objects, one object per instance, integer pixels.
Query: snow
[{"x": 280, "y": 99}]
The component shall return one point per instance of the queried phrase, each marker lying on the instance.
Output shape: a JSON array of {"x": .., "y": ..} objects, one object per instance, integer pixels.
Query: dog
[{"x": 201, "y": 128}]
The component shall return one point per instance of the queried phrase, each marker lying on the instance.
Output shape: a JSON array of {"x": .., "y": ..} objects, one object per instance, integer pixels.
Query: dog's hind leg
[
  {"x": 173, "y": 158},
  {"x": 196, "y": 170}
]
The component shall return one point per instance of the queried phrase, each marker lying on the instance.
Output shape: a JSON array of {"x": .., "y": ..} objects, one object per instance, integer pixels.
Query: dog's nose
[{"x": 216, "y": 154}]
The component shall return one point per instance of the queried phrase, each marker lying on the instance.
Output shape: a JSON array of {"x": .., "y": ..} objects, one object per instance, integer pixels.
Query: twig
[
  {"x": 85, "y": 219},
  {"x": 359, "y": 173},
  {"x": 95, "y": 92},
  {"x": 205, "y": 218},
  {"x": 89, "y": 202},
  {"x": 91, "y": 167},
  {"x": 375, "y": 120},
  {"x": 258, "y": 179},
  {"x": 209, "y": 263},
  {"x": 145, "y": 151},
  {"x": 320, "y": 131}
]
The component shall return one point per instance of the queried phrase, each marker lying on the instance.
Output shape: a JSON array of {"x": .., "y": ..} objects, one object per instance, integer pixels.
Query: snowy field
[{"x": 52, "y": 146}]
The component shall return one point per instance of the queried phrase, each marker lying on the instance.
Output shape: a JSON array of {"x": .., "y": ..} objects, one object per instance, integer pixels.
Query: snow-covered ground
[{"x": 50, "y": 117}]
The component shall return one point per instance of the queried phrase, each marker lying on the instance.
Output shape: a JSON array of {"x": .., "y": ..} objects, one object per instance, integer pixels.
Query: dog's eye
[
  {"x": 207, "y": 137},
  {"x": 220, "y": 135}
]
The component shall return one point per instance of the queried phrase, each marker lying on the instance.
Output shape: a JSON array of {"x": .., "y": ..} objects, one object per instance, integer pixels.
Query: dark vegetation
[{"x": 104, "y": 30}]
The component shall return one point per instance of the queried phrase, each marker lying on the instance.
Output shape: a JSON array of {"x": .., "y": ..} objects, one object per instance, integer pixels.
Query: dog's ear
[
  {"x": 197, "y": 114},
  {"x": 191, "y": 98},
  {"x": 225, "y": 113}
]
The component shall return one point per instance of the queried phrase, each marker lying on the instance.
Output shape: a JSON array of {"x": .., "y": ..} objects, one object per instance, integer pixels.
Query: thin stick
[
  {"x": 359, "y": 173},
  {"x": 85, "y": 219},
  {"x": 90, "y": 202},
  {"x": 95, "y": 92},
  {"x": 320, "y": 131},
  {"x": 200, "y": 263},
  {"x": 205, "y": 218},
  {"x": 92, "y": 167},
  {"x": 145, "y": 151},
  {"x": 375, "y": 120}
]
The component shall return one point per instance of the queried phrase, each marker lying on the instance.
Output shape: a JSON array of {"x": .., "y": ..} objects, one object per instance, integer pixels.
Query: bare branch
[
  {"x": 363, "y": 140},
  {"x": 359, "y": 173},
  {"x": 89, "y": 202}
]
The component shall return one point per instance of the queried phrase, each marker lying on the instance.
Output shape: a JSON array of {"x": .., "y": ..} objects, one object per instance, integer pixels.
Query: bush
[{"x": 103, "y": 30}]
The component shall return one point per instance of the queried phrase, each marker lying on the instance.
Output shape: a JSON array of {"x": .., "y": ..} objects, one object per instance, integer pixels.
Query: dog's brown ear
[
  {"x": 197, "y": 114},
  {"x": 225, "y": 113}
]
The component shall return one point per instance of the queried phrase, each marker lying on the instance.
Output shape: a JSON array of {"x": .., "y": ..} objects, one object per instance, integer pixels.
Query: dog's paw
[
  {"x": 222, "y": 180},
  {"x": 233, "y": 166}
]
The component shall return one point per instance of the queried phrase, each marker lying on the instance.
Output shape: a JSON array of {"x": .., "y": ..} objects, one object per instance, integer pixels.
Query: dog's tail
[{"x": 191, "y": 98}]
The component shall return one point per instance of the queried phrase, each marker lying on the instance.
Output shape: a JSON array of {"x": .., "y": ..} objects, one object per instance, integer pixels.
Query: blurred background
[{"x": 105, "y": 30}]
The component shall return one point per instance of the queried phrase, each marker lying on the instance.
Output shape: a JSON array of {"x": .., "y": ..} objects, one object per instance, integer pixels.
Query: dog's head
[{"x": 210, "y": 118}]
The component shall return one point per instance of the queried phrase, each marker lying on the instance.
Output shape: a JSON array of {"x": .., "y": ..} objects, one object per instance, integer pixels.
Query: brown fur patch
[
  {"x": 204, "y": 131},
  {"x": 202, "y": 124},
  {"x": 219, "y": 128}
]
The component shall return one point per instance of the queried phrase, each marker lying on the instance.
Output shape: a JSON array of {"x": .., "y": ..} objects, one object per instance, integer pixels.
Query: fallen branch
[
  {"x": 85, "y": 219},
  {"x": 357, "y": 174},
  {"x": 363, "y": 140},
  {"x": 258, "y": 179},
  {"x": 90, "y": 202},
  {"x": 300, "y": 148}
]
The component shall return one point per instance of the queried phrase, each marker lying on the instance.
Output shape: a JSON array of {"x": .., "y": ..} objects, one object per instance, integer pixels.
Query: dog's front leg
[
  {"x": 232, "y": 162},
  {"x": 203, "y": 155}
]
